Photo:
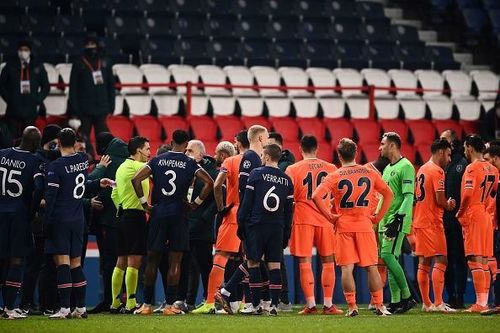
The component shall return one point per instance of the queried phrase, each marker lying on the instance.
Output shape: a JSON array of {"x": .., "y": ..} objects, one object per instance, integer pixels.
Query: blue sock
[
  {"x": 255, "y": 285},
  {"x": 237, "y": 277},
  {"x": 275, "y": 286},
  {"x": 265, "y": 282},
  {"x": 171, "y": 294},
  {"x": 79, "y": 286},
  {"x": 12, "y": 285},
  {"x": 64, "y": 285}
]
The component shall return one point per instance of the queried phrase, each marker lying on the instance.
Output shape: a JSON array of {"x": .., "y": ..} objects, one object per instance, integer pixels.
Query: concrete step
[
  {"x": 416, "y": 23},
  {"x": 469, "y": 68},
  {"x": 464, "y": 58},
  {"x": 451, "y": 45},
  {"x": 428, "y": 36},
  {"x": 394, "y": 13}
]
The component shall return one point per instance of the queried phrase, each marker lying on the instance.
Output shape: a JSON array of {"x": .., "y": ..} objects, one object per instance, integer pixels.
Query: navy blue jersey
[
  {"x": 249, "y": 161},
  {"x": 19, "y": 170},
  {"x": 268, "y": 198},
  {"x": 173, "y": 174},
  {"x": 66, "y": 182}
]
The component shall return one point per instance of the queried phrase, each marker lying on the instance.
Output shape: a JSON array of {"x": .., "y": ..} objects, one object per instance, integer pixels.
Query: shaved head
[{"x": 31, "y": 138}]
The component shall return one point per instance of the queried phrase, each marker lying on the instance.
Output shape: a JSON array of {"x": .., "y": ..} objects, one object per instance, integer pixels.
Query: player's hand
[
  {"x": 451, "y": 203},
  {"x": 96, "y": 204},
  {"x": 192, "y": 205},
  {"x": 147, "y": 207},
  {"x": 392, "y": 228},
  {"x": 105, "y": 161},
  {"x": 223, "y": 212},
  {"x": 374, "y": 219},
  {"x": 240, "y": 232},
  {"x": 106, "y": 182},
  {"x": 42, "y": 203}
]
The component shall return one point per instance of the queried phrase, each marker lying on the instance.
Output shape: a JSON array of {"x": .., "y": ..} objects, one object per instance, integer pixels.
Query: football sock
[
  {"x": 350, "y": 297},
  {"x": 171, "y": 294},
  {"x": 131, "y": 279},
  {"x": 493, "y": 266},
  {"x": 265, "y": 282},
  {"x": 382, "y": 270},
  {"x": 246, "y": 290},
  {"x": 477, "y": 272},
  {"x": 255, "y": 285},
  {"x": 216, "y": 277},
  {"x": 237, "y": 277},
  {"x": 377, "y": 297},
  {"x": 148, "y": 294},
  {"x": 424, "y": 283},
  {"x": 394, "y": 288},
  {"x": 116, "y": 286},
  {"x": 307, "y": 283},
  {"x": 79, "y": 286},
  {"x": 12, "y": 285},
  {"x": 275, "y": 286},
  {"x": 438, "y": 272},
  {"x": 487, "y": 283},
  {"x": 328, "y": 283},
  {"x": 398, "y": 274},
  {"x": 64, "y": 285}
]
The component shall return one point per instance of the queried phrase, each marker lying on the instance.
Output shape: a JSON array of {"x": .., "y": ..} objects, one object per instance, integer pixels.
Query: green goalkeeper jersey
[{"x": 400, "y": 177}]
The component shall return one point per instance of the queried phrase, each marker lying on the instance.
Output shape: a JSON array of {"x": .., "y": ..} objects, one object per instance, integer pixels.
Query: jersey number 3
[
  {"x": 347, "y": 184},
  {"x": 173, "y": 176}
]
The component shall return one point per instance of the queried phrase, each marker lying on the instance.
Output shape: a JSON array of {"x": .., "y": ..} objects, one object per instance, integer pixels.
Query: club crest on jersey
[
  {"x": 459, "y": 168},
  {"x": 393, "y": 173},
  {"x": 246, "y": 164}
]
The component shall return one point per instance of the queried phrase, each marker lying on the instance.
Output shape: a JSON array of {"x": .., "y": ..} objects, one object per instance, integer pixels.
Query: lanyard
[
  {"x": 25, "y": 73},
  {"x": 90, "y": 66}
]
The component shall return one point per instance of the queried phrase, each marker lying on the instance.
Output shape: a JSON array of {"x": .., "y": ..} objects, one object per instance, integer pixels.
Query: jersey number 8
[{"x": 79, "y": 189}]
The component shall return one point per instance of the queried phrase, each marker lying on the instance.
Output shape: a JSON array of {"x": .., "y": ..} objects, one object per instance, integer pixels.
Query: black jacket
[
  {"x": 87, "y": 98},
  {"x": 23, "y": 106},
  {"x": 286, "y": 160},
  {"x": 453, "y": 180},
  {"x": 201, "y": 220}
]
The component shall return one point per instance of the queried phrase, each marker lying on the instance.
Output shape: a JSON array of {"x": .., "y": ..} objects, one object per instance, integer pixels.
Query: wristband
[
  {"x": 198, "y": 201},
  {"x": 143, "y": 200}
]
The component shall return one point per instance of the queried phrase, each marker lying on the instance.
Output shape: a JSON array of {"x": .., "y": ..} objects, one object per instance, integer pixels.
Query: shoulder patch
[
  {"x": 247, "y": 164},
  {"x": 407, "y": 181}
]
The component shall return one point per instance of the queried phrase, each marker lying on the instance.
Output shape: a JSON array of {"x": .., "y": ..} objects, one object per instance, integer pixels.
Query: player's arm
[
  {"x": 208, "y": 186},
  {"x": 289, "y": 208},
  {"x": 387, "y": 195},
  {"x": 321, "y": 197},
  {"x": 245, "y": 207},
  {"x": 218, "y": 192},
  {"x": 51, "y": 193},
  {"x": 408, "y": 190},
  {"x": 144, "y": 173},
  {"x": 466, "y": 192}
]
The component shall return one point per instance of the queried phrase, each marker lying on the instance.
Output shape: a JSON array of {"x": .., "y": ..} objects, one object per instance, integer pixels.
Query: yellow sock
[
  {"x": 116, "y": 286},
  {"x": 131, "y": 279}
]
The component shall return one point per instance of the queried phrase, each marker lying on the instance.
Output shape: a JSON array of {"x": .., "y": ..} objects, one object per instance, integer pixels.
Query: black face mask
[{"x": 90, "y": 52}]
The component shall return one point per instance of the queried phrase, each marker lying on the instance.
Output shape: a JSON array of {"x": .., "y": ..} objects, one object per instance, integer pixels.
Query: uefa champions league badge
[{"x": 246, "y": 164}]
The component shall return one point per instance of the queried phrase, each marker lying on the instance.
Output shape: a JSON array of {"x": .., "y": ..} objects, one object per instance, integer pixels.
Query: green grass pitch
[{"x": 366, "y": 322}]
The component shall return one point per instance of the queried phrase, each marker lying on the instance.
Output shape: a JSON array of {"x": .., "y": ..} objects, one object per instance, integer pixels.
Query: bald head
[
  {"x": 196, "y": 150},
  {"x": 31, "y": 139}
]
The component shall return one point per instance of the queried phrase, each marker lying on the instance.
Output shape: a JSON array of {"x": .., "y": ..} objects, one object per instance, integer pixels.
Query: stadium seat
[
  {"x": 286, "y": 126},
  {"x": 322, "y": 77},
  {"x": 193, "y": 51},
  {"x": 487, "y": 84},
  {"x": 53, "y": 76},
  {"x": 441, "y": 58},
  {"x": 282, "y": 28},
  {"x": 318, "y": 54},
  {"x": 381, "y": 55},
  {"x": 409, "y": 152},
  {"x": 310, "y": 9},
  {"x": 316, "y": 29},
  {"x": 187, "y": 26},
  {"x": 220, "y": 7},
  {"x": 203, "y": 128},
  {"x": 278, "y": 106},
  {"x": 192, "y": 7},
  {"x": 40, "y": 122},
  {"x": 167, "y": 105},
  {"x": 333, "y": 107},
  {"x": 294, "y": 76},
  {"x": 220, "y": 26},
  {"x": 122, "y": 26},
  {"x": 423, "y": 131},
  {"x": 405, "y": 34},
  {"x": 294, "y": 147},
  {"x": 370, "y": 10},
  {"x": 127, "y": 73},
  {"x": 55, "y": 104},
  {"x": 350, "y": 55},
  {"x": 440, "y": 108},
  {"x": 459, "y": 82},
  {"x": 414, "y": 109},
  {"x": 211, "y": 74},
  {"x": 225, "y": 52},
  {"x": 395, "y": 125},
  {"x": 338, "y": 128},
  {"x": 183, "y": 74},
  {"x": 341, "y": 8},
  {"x": 160, "y": 51},
  {"x": 69, "y": 25},
  {"x": 240, "y": 75},
  {"x": 138, "y": 105},
  {"x": 412, "y": 56},
  {"x": 251, "y": 106},
  {"x": 404, "y": 79},
  {"x": 312, "y": 126},
  {"x": 199, "y": 105},
  {"x": 210, "y": 147},
  {"x": 155, "y": 73},
  {"x": 368, "y": 131},
  {"x": 252, "y": 27},
  {"x": 470, "y": 127},
  {"x": 250, "y": 121},
  {"x": 376, "y": 31},
  {"x": 469, "y": 110},
  {"x": 377, "y": 77},
  {"x": 10, "y": 24},
  {"x": 424, "y": 151},
  {"x": 148, "y": 126},
  {"x": 154, "y": 145},
  {"x": 223, "y": 105},
  {"x": 325, "y": 151},
  {"x": 349, "y": 78},
  {"x": 369, "y": 151},
  {"x": 359, "y": 107},
  {"x": 429, "y": 79},
  {"x": 228, "y": 126},
  {"x": 306, "y": 107},
  {"x": 119, "y": 105},
  {"x": 155, "y": 26},
  {"x": 256, "y": 52},
  {"x": 288, "y": 53},
  {"x": 121, "y": 127},
  {"x": 247, "y": 7},
  {"x": 387, "y": 108},
  {"x": 442, "y": 125},
  {"x": 41, "y": 25},
  {"x": 158, "y": 7},
  {"x": 277, "y": 8},
  {"x": 267, "y": 76},
  {"x": 172, "y": 123}
]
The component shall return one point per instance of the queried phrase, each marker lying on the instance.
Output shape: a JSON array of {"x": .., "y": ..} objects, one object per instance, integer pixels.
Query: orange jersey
[
  {"x": 430, "y": 179},
  {"x": 352, "y": 188},
  {"x": 306, "y": 175},
  {"x": 231, "y": 167},
  {"x": 376, "y": 196},
  {"x": 479, "y": 181}
]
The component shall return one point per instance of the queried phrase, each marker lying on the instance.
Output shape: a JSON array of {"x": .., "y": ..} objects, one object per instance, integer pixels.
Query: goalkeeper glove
[{"x": 392, "y": 228}]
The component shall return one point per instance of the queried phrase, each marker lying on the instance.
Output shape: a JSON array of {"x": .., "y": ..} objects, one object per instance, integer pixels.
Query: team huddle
[{"x": 355, "y": 215}]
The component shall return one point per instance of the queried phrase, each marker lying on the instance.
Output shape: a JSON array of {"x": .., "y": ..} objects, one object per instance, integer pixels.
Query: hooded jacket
[
  {"x": 286, "y": 160},
  {"x": 453, "y": 180}
]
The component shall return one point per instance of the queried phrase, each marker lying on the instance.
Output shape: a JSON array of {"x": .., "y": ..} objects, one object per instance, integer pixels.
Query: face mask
[
  {"x": 90, "y": 52},
  {"x": 23, "y": 55}
]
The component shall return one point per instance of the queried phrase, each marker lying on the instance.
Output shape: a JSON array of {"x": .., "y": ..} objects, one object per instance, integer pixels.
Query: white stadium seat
[
  {"x": 214, "y": 75},
  {"x": 377, "y": 77},
  {"x": 183, "y": 74},
  {"x": 487, "y": 84},
  {"x": 56, "y": 104},
  {"x": 404, "y": 79},
  {"x": 3, "y": 107},
  {"x": 168, "y": 105},
  {"x": 138, "y": 105},
  {"x": 413, "y": 108},
  {"x": 359, "y": 107},
  {"x": 223, "y": 105},
  {"x": 441, "y": 109},
  {"x": 460, "y": 84},
  {"x": 53, "y": 76},
  {"x": 387, "y": 108},
  {"x": 267, "y": 76},
  {"x": 128, "y": 73},
  {"x": 349, "y": 78},
  {"x": 157, "y": 74},
  {"x": 199, "y": 105},
  {"x": 119, "y": 101},
  {"x": 322, "y": 77},
  {"x": 240, "y": 75},
  {"x": 65, "y": 73},
  {"x": 294, "y": 76},
  {"x": 278, "y": 106},
  {"x": 430, "y": 80},
  {"x": 333, "y": 107},
  {"x": 468, "y": 109},
  {"x": 305, "y": 107},
  {"x": 251, "y": 106}
]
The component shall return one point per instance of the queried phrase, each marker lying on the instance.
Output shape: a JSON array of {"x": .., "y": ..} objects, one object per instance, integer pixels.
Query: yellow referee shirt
[{"x": 124, "y": 193}]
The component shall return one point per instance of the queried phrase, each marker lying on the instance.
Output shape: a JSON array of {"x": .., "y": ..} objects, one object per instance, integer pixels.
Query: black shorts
[
  {"x": 15, "y": 234},
  {"x": 264, "y": 239},
  {"x": 132, "y": 233},
  {"x": 168, "y": 231},
  {"x": 65, "y": 238}
]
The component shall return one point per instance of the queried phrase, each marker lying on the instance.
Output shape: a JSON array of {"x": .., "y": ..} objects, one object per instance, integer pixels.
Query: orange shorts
[
  {"x": 356, "y": 248},
  {"x": 478, "y": 237},
  {"x": 305, "y": 236},
  {"x": 430, "y": 242},
  {"x": 227, "y": 240}
]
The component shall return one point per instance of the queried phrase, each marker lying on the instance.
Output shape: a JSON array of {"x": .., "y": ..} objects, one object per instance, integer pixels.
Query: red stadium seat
[
  {"x": 470, "y": 127},
  {"x": 442, "y": 125},
  {"x": 250, "y": 121},
  {"x": 338, "y": 128},
  {"x": 286, "y": 126},
  {"x": 293, "y": 146},
  {"x": 312, "y": 126},
  {"x": 368, "y": 131},
  {"x": 423, "y": 131},
  {"x": 154, "y": 146},
  {"x": 325, "y": 151},
  {"x": 370, "y": 151},
  {"x": 229, "y": 126},
  {"x": 121, "y": 127},
  {"x": 58, "y": 120},
  {"x": 424, "y": 151},
  {"x": 40, "y": 123},
  {"x": 204, "y": 128},
  {"x": 148, "y": 126},
  {"x": 395, "y": 125},
  {"x": 172, "y": 123},
  {"x": 409, "y": 152},
  {"x": 210, "y": 147}
]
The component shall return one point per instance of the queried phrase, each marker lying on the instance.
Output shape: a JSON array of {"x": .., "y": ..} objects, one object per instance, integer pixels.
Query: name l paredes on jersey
[{"x": 79, "y": 167}]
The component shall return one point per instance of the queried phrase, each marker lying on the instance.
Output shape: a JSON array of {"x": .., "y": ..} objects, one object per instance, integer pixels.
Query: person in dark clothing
[
  {"x": 456, "y": 271},
  {"x": 91, "y": 90},
  {"x": 5, "y": 141},
  {"x": 285, "y": 161},
  {"x": 23, "y": 86},
  {"x": 106, "y": 230}
]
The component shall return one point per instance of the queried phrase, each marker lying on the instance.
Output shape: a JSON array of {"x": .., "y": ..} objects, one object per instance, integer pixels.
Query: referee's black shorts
[{"x": 132, "y": 233}]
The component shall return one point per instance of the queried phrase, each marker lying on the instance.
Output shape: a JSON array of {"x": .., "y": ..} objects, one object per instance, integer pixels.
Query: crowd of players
[{"x": 355, "y": 215}]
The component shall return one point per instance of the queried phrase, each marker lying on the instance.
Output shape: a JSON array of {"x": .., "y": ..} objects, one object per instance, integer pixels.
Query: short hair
[
  {"x": 163, "y": 149},
  {"x": 347, "y": 149},
  {"x": 380, "y": 163},
  {"x": 242, "y": 138},
  {"x": 200, "y": 145},
  {"x": 495, "y": 142},
  {"x": 277, "y": 137},
  {"x": 180, "y": 137},
  {"x": 440, "y": 144},
  {"x": 308, "y": 143},
  {"x": 476, "y": 142},
  {"x": 453, "y": 134},
  {"x": 273, "y": 151},
  {"x": 137, "y": 142},
  {"x": 67, "y": 137},
  {"x": 225, "y": 147},
  {"x": 255, "y": 131},
  {"x": 394, "y": 138},
  {"x": 493, "y": 151}
]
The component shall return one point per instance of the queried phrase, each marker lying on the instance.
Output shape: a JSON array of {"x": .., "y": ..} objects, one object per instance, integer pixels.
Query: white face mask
[{"x": 23, "y": 55}]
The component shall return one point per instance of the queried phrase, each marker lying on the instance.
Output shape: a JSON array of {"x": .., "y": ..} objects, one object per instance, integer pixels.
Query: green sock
[
  {"x": 116, "y": 286},
  {"x": 397, "y": 273},
  {"x": 394, "y": 288},
  {"x": 131, "y": 278}
]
